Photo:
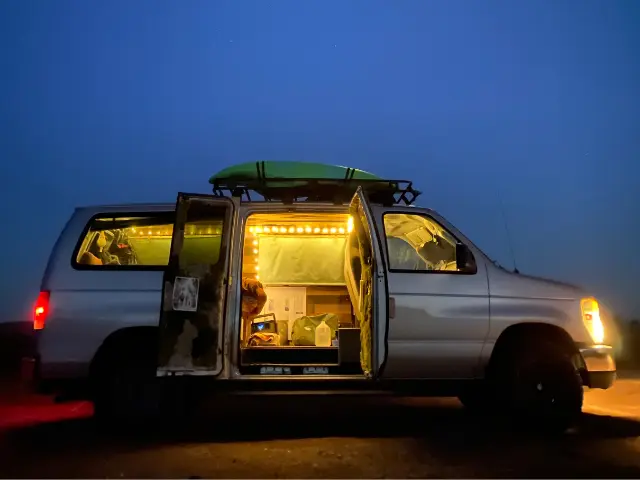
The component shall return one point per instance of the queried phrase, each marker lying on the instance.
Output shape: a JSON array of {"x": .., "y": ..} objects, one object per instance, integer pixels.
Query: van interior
[{"x": 299, "y": 303}]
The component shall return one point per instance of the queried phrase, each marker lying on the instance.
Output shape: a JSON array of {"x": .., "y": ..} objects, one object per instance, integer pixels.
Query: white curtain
[{"x": 301, "y": 260}]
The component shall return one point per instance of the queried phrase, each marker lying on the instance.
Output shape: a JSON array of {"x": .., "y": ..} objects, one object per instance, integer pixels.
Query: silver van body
[{"x": 435, "y": 327}]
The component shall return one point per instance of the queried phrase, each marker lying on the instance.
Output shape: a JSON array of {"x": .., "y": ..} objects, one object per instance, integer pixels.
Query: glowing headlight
[{"x": 591, "y": 319}]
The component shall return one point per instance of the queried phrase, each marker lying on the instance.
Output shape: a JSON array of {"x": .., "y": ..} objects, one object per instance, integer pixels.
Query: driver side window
[{"x": 417, "y": 243}]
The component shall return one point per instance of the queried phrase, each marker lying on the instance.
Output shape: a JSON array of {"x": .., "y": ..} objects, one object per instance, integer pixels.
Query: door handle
[{"x": 392, "y": 307}]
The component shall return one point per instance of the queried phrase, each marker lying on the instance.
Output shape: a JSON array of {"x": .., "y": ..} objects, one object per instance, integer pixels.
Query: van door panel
[
  {"x": 440, "y": 320},
  {"x": 364, "y": 274},
  {"x": 194, "y": 287}
]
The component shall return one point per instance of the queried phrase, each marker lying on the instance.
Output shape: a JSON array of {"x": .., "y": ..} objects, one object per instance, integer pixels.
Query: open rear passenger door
[
  {"x": 194, "y": 287},
  {"x": 366, "y": 282}
]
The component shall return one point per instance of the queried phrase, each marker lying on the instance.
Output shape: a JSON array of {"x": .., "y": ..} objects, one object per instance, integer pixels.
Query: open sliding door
[
  {"x": 366, "y": 282},
  {"x": 194, "y": 287}
]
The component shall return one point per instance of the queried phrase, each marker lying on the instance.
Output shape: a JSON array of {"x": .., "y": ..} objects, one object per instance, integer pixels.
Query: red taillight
[{"x": 40, "y": 310}]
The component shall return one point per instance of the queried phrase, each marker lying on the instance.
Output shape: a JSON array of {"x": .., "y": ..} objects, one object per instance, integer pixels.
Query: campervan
[{"x": 293, "y": 277}]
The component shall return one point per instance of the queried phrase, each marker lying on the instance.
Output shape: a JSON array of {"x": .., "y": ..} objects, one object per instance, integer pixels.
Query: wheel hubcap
[{"x": 538, "y": 388}]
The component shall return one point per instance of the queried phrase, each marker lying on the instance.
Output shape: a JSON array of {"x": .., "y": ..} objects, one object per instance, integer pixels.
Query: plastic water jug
[{"x": 323, "y": 335}]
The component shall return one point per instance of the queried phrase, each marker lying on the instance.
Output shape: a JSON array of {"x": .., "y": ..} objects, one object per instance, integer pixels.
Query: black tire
[
  {"x": 476, "y": 399},
  {"x": 122, "y": 397},
  {"x": 125, "y": 389},
  {"x": 540, "y": 388}
]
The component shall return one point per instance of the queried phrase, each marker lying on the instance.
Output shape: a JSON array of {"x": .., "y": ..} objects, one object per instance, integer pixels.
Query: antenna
[{"x": 506, "y": 229}]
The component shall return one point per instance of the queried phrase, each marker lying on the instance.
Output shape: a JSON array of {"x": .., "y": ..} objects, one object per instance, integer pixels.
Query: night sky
[{"x": 535, "y": 103}]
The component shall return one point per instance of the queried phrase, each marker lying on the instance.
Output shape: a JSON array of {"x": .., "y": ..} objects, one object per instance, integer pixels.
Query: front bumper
[{"x": 599, "y": 369}]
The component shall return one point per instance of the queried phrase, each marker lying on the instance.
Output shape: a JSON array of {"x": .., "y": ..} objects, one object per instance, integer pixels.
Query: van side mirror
[{"x": 464, "y": 259}]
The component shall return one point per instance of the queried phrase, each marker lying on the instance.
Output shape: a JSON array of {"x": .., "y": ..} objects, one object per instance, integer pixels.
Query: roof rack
[{"x": 294, "y": 189}]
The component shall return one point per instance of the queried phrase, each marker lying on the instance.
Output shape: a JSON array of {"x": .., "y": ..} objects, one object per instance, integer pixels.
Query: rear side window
[
  {"x": 137, "y": 242},
  {"x": 141, "y": 242}
]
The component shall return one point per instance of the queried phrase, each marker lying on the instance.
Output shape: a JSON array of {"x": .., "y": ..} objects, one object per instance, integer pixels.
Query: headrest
[
  {"x": 101, "y": 241},
  {"x": 104, "y": 240}
]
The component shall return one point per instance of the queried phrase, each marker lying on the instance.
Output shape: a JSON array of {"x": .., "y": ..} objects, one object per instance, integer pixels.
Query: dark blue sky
[{"x": 537, "y": 102}]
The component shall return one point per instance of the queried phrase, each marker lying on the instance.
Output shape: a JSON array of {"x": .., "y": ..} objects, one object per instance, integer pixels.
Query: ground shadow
[{"x": 272, "y": 418}]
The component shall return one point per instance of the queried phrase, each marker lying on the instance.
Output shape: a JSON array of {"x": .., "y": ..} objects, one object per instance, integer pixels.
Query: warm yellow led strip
[{"x": 266, "y": 229}]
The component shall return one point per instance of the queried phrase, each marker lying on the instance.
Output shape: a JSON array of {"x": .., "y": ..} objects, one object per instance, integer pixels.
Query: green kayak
[{"x": 281, "y": 170}]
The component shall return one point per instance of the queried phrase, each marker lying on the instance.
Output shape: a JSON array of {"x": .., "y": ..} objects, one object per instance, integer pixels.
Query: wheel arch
[
  {"x": 121, "y": 345},
  {"x": 514, "y": 336}
]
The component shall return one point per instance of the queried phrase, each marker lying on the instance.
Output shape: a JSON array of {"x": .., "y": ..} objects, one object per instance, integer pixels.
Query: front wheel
[
  {"x": 477, "y": 399},
  {"x": 541, "y": 389}
]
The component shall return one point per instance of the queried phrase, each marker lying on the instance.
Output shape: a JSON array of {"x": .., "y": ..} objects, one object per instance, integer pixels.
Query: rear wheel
[
  {"x": 125, "y": 396},
  {"x": 124, "y": 385}
]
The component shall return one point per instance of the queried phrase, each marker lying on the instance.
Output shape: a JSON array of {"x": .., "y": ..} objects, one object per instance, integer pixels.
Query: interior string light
[
  {"x": 271, "y": 229},
  {"x": 167, "y": 232},
  {"x": 255, "y": 251}
]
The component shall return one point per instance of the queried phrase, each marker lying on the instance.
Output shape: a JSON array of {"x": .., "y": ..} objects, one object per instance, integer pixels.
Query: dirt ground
[{"x": 313, "y": 437}]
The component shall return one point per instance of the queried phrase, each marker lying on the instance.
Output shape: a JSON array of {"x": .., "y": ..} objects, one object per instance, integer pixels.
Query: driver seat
[{"x": 89, "y": 258}]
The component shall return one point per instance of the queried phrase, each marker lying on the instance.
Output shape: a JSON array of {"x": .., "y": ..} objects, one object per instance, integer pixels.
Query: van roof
[{"x": 129, "y": 206}]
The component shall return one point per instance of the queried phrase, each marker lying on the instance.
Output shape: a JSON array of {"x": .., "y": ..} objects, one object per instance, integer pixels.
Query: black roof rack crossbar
[{"x": 296, "y": 190}]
